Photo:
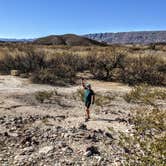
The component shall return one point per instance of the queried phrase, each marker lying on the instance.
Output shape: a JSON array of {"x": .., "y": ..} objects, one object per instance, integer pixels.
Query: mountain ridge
[
  {"x": 133, "y": 37},
  {"x": 15, "y": 40},
  {"x": 68, "y": 40}
]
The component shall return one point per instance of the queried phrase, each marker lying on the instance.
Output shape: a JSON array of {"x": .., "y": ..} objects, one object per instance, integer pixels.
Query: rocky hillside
[
  {"x": 144, "y": 37},
  {"x": 68, "y": 39}
]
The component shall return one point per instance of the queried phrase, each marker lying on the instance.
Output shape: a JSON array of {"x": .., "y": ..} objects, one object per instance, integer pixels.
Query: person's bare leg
[{"x": 88, "y": 112}]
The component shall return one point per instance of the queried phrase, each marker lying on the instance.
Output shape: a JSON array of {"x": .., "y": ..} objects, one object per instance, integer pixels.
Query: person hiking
[{"x": 89, "y": 98}]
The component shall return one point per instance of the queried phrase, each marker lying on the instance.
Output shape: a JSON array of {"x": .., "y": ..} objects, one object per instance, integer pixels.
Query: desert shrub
[
  {"x": 24, "y": 61},
  {"x": 43, "y": 95},
  {"x": 145, "y": 94},
  {"x": 102, "y": 100},
  {"x": 59, "y": 75},
  {"x": 145, "y": 69},
  {"x": 6, "y": 64},
  {"x": 162, "y": 68},
  {"x": 147, "y": 144},
  {"x": 77, "y": 62},
  {"x": 33, "y": 61},
  {"x": 102, "y": 66}
]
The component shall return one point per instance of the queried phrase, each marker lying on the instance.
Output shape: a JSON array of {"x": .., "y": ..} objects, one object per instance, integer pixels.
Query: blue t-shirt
[{"x": 88, "y": 95}]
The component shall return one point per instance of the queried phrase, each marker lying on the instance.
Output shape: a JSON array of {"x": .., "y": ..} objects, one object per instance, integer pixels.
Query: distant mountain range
[
  {"x": 142, "y": 37},
  {"x": 15, "y": 40}
]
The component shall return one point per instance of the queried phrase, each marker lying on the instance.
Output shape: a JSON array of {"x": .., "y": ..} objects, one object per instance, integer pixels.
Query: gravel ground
[{"x": 54, "y": 132}]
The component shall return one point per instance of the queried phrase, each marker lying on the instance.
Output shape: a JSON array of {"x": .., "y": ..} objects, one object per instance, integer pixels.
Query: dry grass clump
[
  {"x": 145, "y": 94},
  {"x": 101, "y": 100},
  {"x": 44, "y": 95}
]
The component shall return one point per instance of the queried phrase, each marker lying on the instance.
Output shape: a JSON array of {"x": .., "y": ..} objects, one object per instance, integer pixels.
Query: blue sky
[{"x": 36, "y": 18}]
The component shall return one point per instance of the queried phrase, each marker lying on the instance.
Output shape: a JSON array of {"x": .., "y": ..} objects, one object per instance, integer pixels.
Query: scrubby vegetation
[
  {"x": 143, "y": 138},
  {"x": 144, "y": 69},
  {"x": 59, "y": 75},
  {"x": 43, "y": 95},
  {"x": 145, "y": 94},
  {"x": 147, "y": 144},
  {"x": 52, "y": 64}
]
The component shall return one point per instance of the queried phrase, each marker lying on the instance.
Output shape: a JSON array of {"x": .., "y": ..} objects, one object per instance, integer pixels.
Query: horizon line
[{"x": 32, "y": 38}]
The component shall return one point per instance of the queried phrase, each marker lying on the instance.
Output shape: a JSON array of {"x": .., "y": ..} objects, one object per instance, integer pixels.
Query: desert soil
[{"x": 54, "y": 132}]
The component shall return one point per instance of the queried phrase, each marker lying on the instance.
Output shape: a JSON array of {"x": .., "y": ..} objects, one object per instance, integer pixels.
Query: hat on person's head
[{"x": 88, "y": 85}]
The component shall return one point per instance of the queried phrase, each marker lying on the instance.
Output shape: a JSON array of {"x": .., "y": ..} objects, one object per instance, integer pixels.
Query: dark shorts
[{"x": 87, "y": 104}]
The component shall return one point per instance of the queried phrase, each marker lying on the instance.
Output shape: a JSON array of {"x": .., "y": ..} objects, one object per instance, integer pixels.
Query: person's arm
[
  {"x": 93, "y": 98},
  {"x": 83, "y": 83}
]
